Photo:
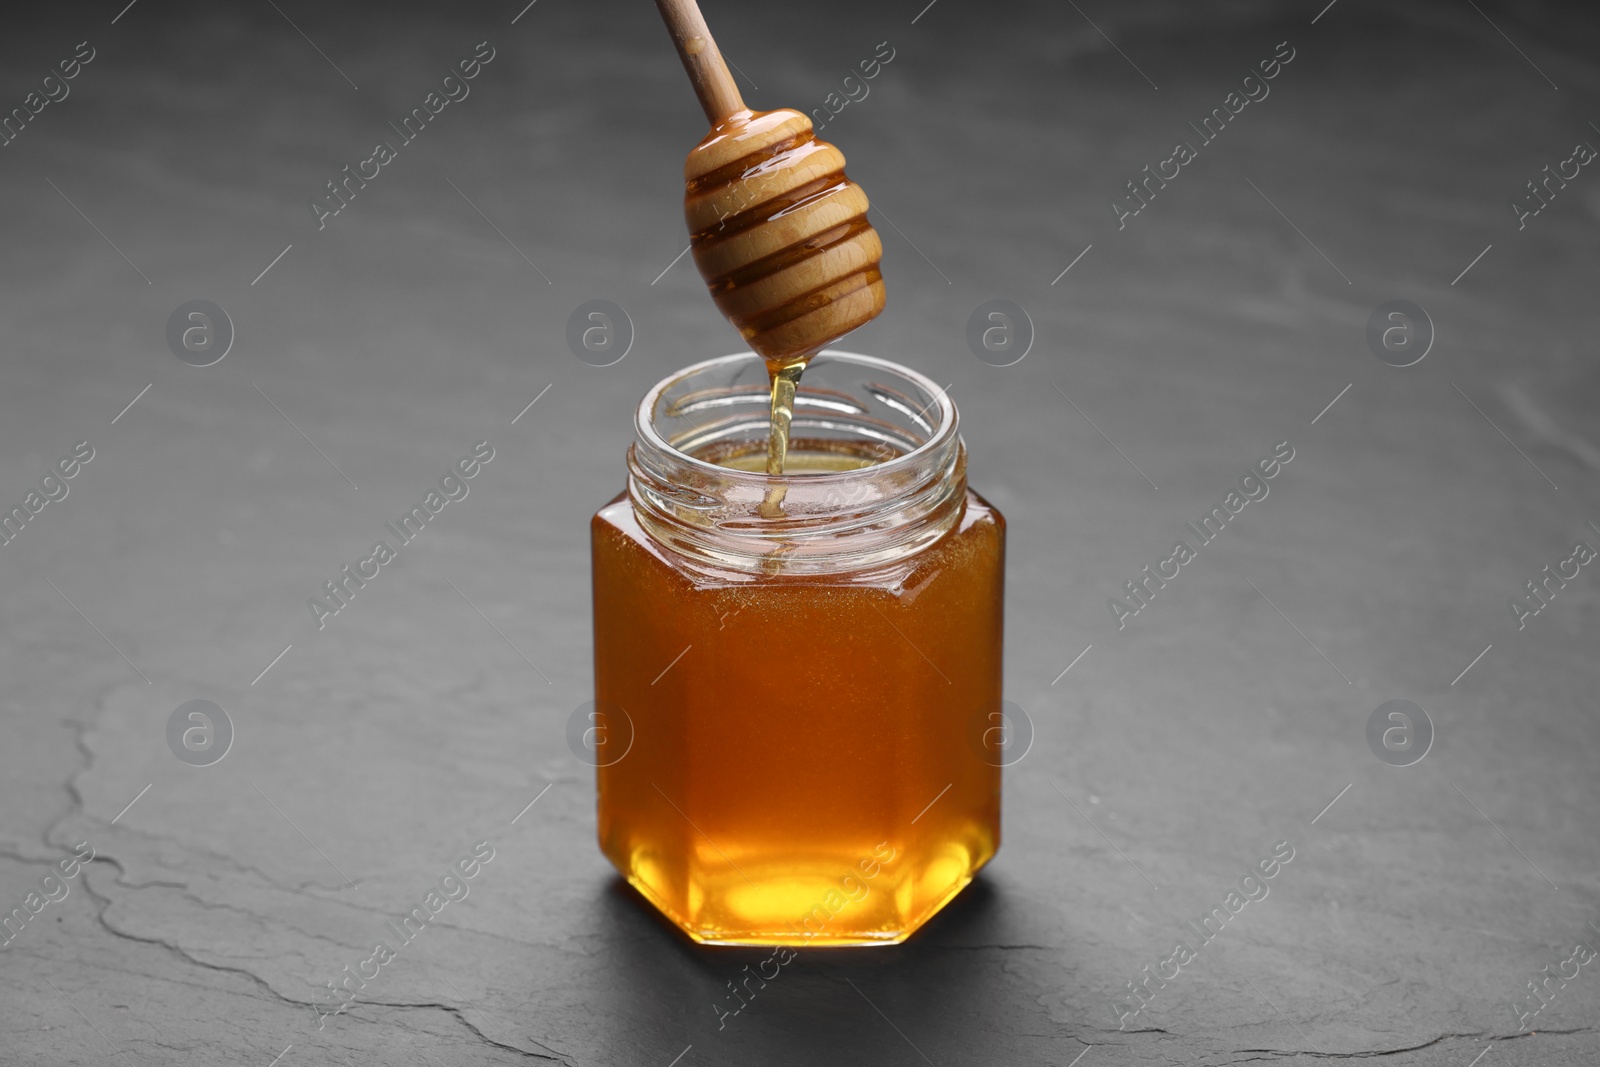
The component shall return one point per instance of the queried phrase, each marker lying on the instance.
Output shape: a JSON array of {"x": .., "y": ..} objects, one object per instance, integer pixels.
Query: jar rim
[{"x": 939, "y": 436}]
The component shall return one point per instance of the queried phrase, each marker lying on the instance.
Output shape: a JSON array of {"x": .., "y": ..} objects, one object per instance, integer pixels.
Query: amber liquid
[
  {"x": 801, "y": 768},
  {"x": 785, "y": 378}
]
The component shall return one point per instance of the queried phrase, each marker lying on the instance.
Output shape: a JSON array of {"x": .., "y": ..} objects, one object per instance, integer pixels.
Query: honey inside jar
[{"x": 800, "y": 764}]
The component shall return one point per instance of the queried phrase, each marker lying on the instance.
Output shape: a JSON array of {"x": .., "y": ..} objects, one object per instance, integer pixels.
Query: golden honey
[{"x": 793, "y": 703}]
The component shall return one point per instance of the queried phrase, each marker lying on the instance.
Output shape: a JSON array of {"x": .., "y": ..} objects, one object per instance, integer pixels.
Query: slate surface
[{"x": 1173, "y": 354}]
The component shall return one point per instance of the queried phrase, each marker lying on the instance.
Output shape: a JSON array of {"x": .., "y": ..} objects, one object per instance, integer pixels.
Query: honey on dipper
[{"x": 797, "y": 642}]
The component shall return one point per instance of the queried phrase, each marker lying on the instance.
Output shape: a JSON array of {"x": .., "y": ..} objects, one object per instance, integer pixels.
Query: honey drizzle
[{"x": 785, "y": 382}]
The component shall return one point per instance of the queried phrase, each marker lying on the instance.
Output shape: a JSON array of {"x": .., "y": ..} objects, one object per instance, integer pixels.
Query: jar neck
[{"x": 910, "y": 493}]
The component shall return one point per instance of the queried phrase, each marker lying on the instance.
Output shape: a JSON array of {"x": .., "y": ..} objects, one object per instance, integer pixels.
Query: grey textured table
[{"x": 1223, "y": 318}]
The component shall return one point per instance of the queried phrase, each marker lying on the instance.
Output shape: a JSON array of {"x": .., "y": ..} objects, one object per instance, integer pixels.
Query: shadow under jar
[{"x": 798, "y": 678}]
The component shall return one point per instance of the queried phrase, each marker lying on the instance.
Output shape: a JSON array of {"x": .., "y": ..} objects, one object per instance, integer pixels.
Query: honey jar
[{"x": 796, "y": 676}]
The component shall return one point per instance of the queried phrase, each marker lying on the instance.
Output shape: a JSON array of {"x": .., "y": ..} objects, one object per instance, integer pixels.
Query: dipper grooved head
[{"x": 780, "y": 234}]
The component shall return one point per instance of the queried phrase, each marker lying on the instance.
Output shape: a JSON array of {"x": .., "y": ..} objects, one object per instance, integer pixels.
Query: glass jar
[{"x": 797, "y": 675}]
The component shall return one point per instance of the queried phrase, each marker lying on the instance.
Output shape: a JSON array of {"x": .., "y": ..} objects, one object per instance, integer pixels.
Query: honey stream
[{"x": 785, "y": 382}]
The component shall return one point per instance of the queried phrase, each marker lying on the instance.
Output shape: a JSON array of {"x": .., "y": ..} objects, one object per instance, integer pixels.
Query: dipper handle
[{"x": 703, "y": 62}]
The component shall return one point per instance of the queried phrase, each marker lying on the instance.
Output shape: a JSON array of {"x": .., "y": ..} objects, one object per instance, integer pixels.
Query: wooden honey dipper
[{"x": 779, "y": 233}]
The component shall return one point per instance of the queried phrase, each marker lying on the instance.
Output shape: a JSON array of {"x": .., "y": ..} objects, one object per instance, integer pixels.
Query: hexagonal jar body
[{"x": 796, "y": 677}]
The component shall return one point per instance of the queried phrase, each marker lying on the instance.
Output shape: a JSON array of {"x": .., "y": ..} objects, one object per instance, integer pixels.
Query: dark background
[{"x": 1212, "y": 327}]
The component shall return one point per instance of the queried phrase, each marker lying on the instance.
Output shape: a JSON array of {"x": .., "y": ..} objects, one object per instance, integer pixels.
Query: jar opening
[
  {"x": 876, "y": 465},
  {"x": 712, "y": 410}
]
